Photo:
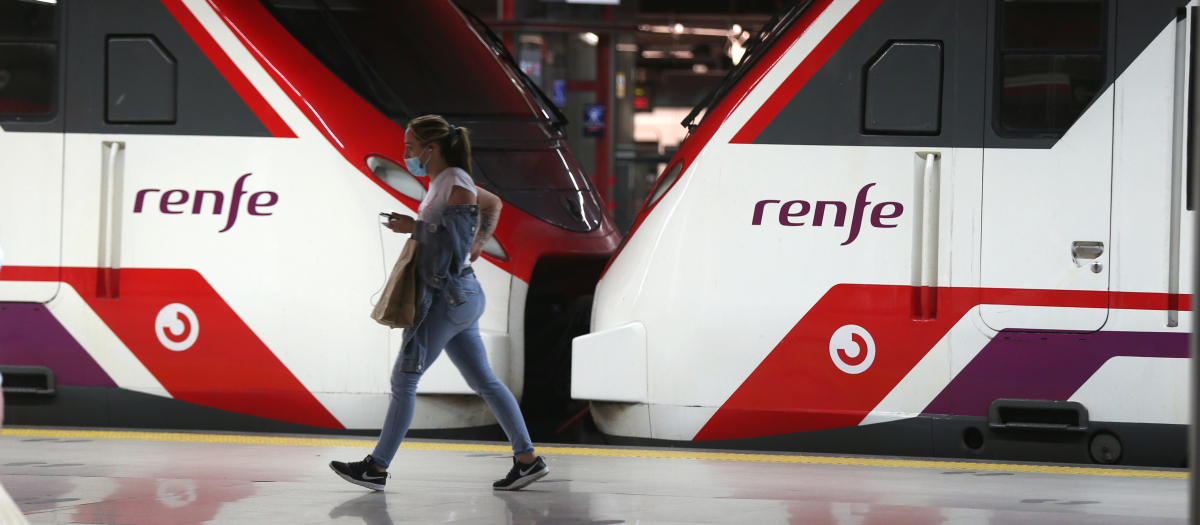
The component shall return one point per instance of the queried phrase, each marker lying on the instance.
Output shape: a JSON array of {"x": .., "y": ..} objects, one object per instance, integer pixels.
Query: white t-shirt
[{"x": 438, "y": 195}]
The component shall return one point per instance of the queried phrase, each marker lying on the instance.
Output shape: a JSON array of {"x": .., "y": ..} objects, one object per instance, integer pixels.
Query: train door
[
  {"x": 906, "y": 89},
  {"x": 146, "y": 168},
  {"x": 1048, "y": 164},
  {"x": 891, "y": 120},
  {"x": 31, "y": 148},
  {"x": 185, "y": 185}
]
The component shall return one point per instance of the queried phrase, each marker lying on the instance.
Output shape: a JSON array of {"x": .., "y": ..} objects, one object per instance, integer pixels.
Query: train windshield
[{"x": 407, "y": 58}]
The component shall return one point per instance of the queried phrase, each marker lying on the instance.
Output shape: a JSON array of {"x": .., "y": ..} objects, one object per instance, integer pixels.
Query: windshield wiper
[
  {"x": 754, "y": 50},
  {"x": 498, "y": 46}
]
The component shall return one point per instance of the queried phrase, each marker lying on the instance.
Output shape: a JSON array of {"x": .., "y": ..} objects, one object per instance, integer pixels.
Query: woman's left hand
[{"x": 401, "y": 223}]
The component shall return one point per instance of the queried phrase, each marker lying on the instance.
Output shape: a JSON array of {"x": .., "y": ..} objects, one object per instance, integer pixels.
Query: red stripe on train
[
  {"x": 695, "y": 142},
  {"x": 353, "y": 125},
  {"x": 799, "y": 388},
  {"x": 259, "y": 105},
  {"x": 226, "y": 367},
  {"x": 805, "y": 71}
]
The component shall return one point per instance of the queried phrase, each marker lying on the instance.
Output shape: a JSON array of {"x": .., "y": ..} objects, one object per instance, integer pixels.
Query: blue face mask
[{"x": 415, "y": 165}]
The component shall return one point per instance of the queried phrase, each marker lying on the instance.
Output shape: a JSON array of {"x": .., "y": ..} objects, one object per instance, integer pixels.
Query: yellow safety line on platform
[{"x": 604, "y": 452}]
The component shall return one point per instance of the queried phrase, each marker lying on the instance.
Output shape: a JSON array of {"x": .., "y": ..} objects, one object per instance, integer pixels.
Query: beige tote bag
[{"x": 398, "y": 305}]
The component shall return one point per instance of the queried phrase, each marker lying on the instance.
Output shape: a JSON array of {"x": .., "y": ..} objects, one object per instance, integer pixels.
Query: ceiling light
[
  {"x": 679, "y": 29},
  {"x": 653, "y": 54},
  {"x": 590, "y": 38},
  {"x": 699, "y": 69},
  {"x": 704, "y": 31},
  {"x": 736, "y": 51},
  {"x": 737, "y": 47}
]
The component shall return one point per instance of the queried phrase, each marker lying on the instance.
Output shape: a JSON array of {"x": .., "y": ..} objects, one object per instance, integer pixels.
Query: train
[
  {"x": 189, "y": 203},
  {"x": 938, "y": 228}
]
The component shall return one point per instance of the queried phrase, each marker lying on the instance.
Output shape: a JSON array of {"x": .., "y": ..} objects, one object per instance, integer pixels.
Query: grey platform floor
[{"x": 140, "y": 479}]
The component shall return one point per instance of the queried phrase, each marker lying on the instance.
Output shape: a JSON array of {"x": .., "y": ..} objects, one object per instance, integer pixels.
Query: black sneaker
[
  {"x": 361, "y": 473},
  {"x": 522, "y": 475}
]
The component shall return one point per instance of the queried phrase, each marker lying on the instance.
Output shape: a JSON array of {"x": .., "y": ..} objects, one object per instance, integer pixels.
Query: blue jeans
[{"x": 457, "y": 330}]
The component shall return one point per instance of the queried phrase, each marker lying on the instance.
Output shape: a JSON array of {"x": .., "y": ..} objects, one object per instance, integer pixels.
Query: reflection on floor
[{"x": 146, "y": 478}]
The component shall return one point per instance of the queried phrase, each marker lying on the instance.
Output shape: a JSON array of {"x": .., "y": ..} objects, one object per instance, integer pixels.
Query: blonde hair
[{"x": 455, "y": 142}]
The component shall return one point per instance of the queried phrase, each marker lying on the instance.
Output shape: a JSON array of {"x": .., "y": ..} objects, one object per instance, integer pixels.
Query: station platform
[{"x": 143, "y": 478}]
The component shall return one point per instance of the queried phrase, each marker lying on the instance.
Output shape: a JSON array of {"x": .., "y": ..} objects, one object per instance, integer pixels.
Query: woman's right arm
[{"x": 489, "y": 215}]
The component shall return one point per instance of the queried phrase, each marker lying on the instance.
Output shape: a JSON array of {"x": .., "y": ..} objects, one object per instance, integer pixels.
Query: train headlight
[
  {"x": 494, "y": 249},
  {"x": 396, "y": 177}
]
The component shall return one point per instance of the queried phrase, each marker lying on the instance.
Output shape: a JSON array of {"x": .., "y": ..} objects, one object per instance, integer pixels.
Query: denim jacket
[{"x": 441, "y": 260}]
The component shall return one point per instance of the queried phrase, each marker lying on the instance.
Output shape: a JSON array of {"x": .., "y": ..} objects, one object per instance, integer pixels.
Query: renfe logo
[
  {"x": 180, "y": 197},
  {"x": 883, "y": 210},
  {"x": 852, "y": 349},
  {"x": 177, "y": 327}
]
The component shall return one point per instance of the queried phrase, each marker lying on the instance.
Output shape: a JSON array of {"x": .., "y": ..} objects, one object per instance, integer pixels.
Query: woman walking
[{"x": 454, "y": 222}]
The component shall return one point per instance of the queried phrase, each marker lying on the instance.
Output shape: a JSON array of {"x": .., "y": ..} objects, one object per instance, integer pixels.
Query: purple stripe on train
[
  {"x": 31, "y": 336},
  {"x": 1044, "y": 365}
]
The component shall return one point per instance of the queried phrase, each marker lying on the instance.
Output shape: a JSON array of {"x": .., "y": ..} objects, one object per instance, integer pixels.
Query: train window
[
  {"x": 903, "y": 92},
  {"x": 140, "y": 81},
  {"x": 406, "y": 58},
  {"x": 1051, "y": 60},
  {"x": 28, "y": 58}
]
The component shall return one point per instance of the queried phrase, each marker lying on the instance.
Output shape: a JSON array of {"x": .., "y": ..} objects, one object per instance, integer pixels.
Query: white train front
[
  {"x": 189, "y": 200},
  {"x": 920, "y": 227}
]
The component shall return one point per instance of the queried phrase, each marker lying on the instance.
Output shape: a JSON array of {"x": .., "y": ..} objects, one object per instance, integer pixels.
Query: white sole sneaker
[
  {"x": 525, "y": 481},
  {"x": 359, "y": 482}
]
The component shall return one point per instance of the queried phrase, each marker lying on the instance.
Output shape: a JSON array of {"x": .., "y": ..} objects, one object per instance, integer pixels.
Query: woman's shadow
[
  {"x": 565, "y": 508},
  {"x": 520, "y": 509},
  {"x": 371, "y": 507}
]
